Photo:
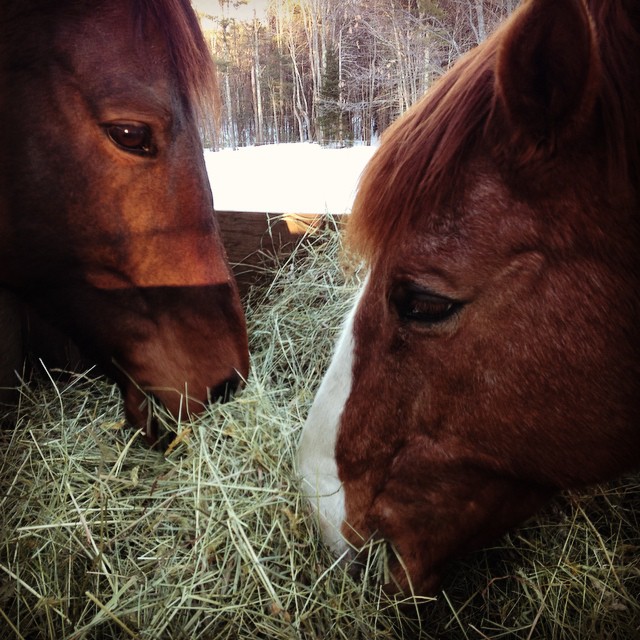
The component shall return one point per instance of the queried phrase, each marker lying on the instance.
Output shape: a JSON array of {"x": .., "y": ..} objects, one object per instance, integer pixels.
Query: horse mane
[
  {"x": 618, "y": 26},
  {"x": 420, "y": 164},
  {"x": 27, "y": 23},
  {"x": 193, "y": 64}
]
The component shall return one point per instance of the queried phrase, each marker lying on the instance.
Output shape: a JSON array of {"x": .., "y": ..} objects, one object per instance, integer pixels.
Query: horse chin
[
  {"x": 139, "y": 415},
  {"x": 144, "y": 407},
  {"x": 407, "y": 577},
  {"x": 412, "y": 581}
]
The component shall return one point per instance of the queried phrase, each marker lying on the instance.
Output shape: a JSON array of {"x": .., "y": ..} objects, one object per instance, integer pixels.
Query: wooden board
[{"x": 252, "y": 240}]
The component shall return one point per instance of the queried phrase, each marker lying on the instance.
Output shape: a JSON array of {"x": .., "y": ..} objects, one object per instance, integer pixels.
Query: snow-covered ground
[{"x": 286, "y": 178}]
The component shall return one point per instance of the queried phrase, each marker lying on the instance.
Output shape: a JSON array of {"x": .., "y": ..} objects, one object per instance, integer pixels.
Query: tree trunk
[
  {"x": 482, "y": 30},
  {"x": 255, "y": 85}
]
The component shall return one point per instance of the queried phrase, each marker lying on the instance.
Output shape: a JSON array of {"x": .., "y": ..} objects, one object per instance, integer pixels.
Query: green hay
[{"x": 103, "y": 538}]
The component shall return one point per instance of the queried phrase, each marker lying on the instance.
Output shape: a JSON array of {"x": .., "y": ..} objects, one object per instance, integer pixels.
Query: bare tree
[{"x": 338, "y": 70}]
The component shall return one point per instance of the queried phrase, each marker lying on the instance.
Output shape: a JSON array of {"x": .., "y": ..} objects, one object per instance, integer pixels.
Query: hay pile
[{"x": 103, "y": 538}]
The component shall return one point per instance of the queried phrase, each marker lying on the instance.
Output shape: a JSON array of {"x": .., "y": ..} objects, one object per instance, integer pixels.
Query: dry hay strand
[{"x": 103, "y": 538}]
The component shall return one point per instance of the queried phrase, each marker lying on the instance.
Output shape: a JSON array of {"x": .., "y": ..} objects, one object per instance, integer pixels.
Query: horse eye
[
  {"x": 135, "y": 138},
  {"x": 418, "y": 305}
]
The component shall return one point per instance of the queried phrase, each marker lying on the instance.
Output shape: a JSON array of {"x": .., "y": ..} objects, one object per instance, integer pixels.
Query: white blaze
[{"x": 316, "y": 454}]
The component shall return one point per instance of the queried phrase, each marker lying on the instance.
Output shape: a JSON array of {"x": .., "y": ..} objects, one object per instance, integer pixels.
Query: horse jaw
[{"x": 316, "y": 459}]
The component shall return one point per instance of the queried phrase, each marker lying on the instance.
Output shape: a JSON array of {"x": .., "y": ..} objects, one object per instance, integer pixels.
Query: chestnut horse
[
  {"x": 107, "y": 226},
  {"x": 492, "y": 357}
]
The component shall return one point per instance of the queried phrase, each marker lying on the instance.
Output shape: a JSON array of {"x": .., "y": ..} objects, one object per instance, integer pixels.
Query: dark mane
[
  {"x": 27, "y": 25},
  {"x": 190, "y": 56},
  {"x": 420, "y": 162}
]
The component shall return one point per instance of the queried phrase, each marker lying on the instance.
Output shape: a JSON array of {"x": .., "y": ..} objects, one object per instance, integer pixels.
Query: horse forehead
[
  {"x": 103, "y": 48},
  {"x": 486, "y": 221}
]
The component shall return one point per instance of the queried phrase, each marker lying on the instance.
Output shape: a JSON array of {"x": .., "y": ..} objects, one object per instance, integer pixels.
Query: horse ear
[{"x": 547, "y": 71}]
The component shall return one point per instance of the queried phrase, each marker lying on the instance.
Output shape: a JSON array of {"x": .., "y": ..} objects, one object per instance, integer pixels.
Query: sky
[
  {"x": 286, "y": 178},
  {"x": 242, "y": 12}
]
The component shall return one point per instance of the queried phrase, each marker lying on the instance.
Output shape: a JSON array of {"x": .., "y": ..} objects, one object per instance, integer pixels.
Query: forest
[{"x": 337, "y": 72}]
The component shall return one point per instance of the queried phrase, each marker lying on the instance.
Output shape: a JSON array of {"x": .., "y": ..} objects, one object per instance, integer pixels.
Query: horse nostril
[{"x": 225, "y": 390}]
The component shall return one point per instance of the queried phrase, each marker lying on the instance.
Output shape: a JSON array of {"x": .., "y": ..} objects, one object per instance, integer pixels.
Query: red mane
[{"x": 418, "y": 168}]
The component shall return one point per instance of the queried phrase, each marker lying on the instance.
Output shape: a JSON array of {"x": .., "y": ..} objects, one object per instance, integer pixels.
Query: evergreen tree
[{"x": 329, "y": 108}]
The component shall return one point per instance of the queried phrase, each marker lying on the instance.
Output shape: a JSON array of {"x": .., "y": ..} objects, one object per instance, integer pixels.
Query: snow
[{"x": 286, "y": 178}]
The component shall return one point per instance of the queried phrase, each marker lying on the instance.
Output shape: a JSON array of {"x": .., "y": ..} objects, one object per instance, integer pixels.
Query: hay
[{"x": 103, "y": 538}]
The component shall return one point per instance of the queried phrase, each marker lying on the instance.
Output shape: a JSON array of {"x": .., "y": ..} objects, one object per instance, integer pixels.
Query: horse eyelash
[{"x": 407, "y": 298}]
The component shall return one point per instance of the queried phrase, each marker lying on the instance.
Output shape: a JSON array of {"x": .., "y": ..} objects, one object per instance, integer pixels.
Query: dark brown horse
[
  {"x": 493, "y": 355},
  {"x": 107, "y": 226}
]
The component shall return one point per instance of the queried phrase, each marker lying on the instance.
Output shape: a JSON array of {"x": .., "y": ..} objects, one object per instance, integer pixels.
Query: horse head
[
  {"x": 492, "y": 356},
  {"x": 107, "y": 221}
]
